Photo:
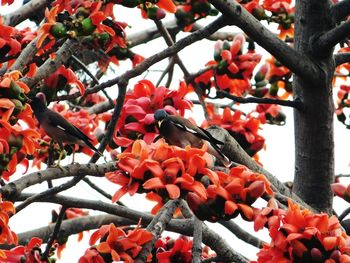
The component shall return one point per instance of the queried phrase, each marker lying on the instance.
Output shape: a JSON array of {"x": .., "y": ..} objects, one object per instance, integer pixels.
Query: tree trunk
[{"x": 314, "y": 142}]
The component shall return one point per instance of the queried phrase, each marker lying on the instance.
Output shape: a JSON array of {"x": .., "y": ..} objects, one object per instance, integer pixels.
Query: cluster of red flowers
[
  {"x": 169, "y": 172},
  {"x": 137, "y": 120},
  {"x": 244, "y": 128},
  {"x": 232, "y": 69},
  {"x": 59, "y": 80},
  {"x": 301, "y": 236},
  {"x": 115, "y": 244},
  {"x": 82, "y": 119},
  {"x": 168, "y": 250},
  {"x": 28, "y": 253},
  {"x": 17, "y": 139}
]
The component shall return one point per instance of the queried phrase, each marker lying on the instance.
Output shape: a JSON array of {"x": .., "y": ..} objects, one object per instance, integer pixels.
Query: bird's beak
[{"x": 159, "y": 123}]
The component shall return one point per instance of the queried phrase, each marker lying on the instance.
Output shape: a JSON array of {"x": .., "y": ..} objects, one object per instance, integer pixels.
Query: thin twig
[
  {"x": 99, "y": 190},
  {"x": 166, "y": 70},
  {"x": 170, "y": 42},
  {"x": 294, "y": 104},
  {"x": 344, "y": 214},
  {"x": 94, "y": 79},
  {"x": 242, "y": 234},
  {"x": 55, "y": 232}
]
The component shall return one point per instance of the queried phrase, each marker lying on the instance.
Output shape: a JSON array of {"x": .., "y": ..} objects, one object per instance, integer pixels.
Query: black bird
[
  {"x": 57, "y": 127},
  {"x": 181, "y": 132}
]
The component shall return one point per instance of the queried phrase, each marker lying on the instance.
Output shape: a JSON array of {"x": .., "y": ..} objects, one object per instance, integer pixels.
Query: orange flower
[
  {"x": 137, "y": 121},
  {"x": 29, "y": 253},
  {"x": 46, "y": 27},
  {"x": 119, "y": 244},
  {"x": 301, "y": 235}
]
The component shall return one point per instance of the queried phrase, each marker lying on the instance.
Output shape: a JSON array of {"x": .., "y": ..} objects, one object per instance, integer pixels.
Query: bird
[
  {"x": 57, "y": 127},
  {"x": 181, "y": 132}
]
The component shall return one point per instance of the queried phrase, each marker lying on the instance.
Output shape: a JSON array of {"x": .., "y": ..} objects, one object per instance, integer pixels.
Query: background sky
[{"x": 278, "y": 157}]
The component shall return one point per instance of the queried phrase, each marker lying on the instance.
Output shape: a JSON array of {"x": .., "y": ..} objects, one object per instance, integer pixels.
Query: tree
[{"x": 78, "y": 42}]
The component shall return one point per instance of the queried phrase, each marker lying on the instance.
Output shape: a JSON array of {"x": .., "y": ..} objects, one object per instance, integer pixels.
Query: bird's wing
[
  {"x": 60, "y": 122},
  {"x": 188, "y": 126}
]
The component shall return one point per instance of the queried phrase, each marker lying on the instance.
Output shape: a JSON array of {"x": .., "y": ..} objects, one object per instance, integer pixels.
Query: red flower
[
  {"x": 61, "y": 77},
  {"x": 137, "y": 121},
  {"x": 119, "y": 244},
  {"x": 91, "y": 255},
  {"x": 29, "y": 253},
  {"x": 298, "y": 234},
  {"x": 169, "y": 251}
]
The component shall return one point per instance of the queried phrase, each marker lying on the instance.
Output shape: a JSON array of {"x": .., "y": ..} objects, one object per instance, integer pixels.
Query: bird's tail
[
  {"x": 92, "y": 147},
  {"x": 220, "y": 157}
]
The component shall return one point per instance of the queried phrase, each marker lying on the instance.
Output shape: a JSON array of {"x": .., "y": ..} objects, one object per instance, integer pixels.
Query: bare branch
[
  {"x": 55, "y": 232},
  {"x": 294, "y": 104},
  {"x": 341, "y": 58},
  {"x": 25, "y": 56},
  {"x": 240, "y": 17},
  {"x": 330, "y": 39},
  {"x": 344, "y": 214},
  {"x": 74, "y": 226},
  {"x": 242, "y": 234},
  {"x": 15, "y": 188},
  {"x": 26, "y": 11},
  {"x": 197, "y": 240},
  {"x": 341, "y": 10}
]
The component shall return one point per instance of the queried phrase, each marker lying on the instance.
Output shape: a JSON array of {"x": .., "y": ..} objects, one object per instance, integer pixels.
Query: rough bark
[{"x": 314, "y": 145}]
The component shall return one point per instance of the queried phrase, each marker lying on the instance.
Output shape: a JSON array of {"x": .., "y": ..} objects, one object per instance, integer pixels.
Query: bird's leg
[{"x": 57, "y": 165}]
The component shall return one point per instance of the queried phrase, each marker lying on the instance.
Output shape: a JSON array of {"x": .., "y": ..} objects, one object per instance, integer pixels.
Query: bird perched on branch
[
  {"x": 57, "y": 127},
  {"x": 181, "y": 132}
]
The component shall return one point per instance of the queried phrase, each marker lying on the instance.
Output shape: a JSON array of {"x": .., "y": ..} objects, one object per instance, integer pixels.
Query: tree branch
[
  {"x": 328, "y": 40},
  {"x": 197, "y": 240},
  {"x": 143, "y": 66},
  {"x": 25, "y": 56},
  {"x": 344, "y": 214},
  {"x": 294, "y": 104},
  {"x": 240, "y": 17},
  {"x": 242, "y": 234},
  {"x": 51, "y": 65},
  {"x": 13, "y": 189},
  {"x": 55, "y": 232},
  {"x": 236, "y": 154},
  {"x": 25, "y": 11},
  {"x": 182, "y": 226},
  {"x": 341, "y": 10},
  {"x": 341, "y": 58},
  {"x": 74, "y": 226}
]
